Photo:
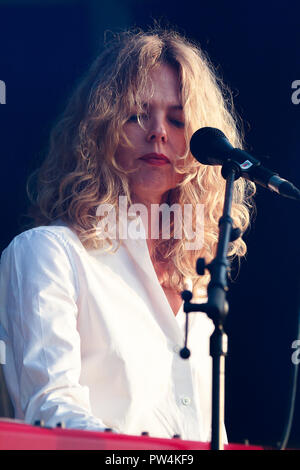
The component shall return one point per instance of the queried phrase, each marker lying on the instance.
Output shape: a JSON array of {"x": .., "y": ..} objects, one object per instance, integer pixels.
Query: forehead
[{"x": 163, "y": 87}]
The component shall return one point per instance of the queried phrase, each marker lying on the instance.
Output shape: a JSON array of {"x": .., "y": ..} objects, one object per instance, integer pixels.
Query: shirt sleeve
[{"x": 39, "y": 290}]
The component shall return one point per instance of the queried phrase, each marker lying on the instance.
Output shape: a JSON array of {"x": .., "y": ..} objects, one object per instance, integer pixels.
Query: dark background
[{"x": 45, "y": 46}]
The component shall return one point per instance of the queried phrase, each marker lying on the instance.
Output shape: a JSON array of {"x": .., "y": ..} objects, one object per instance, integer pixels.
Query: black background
[{"x": 45, "y": 46}]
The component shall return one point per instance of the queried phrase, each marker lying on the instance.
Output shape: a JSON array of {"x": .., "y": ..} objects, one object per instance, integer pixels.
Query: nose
[{"x": 157, "y": 132}]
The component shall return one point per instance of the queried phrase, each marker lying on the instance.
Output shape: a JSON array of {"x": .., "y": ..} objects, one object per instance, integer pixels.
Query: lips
[{"x": 155, "y": 159}]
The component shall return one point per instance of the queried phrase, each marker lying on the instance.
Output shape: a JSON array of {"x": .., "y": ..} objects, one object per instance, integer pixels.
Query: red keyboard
[{"x": 16, "y": 435}]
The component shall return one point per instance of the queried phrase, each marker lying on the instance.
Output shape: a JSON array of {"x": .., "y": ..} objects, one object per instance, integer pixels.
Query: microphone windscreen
[{"x": 210, "y": 146}]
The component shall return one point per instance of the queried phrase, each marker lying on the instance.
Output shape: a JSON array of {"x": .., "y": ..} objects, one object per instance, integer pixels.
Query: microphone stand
[{"x": 217, "y": 307}]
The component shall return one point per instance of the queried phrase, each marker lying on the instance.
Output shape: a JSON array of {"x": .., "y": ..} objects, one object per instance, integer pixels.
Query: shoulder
[
  {"x": 52, "y": 245},
  {"x": 46, "y": 236},
  {"x": 40, "y": 255}
]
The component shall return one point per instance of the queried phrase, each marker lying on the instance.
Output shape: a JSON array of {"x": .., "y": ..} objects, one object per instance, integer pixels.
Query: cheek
[
  {"x": 177, "y": 141},
  {"x": 181, "y": 142},
  {"x": 121, "y": 156},
  {"x": 126, "y": 155}
]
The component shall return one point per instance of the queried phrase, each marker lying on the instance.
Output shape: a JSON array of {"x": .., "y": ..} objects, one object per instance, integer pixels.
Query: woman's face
[{"x": 156, "y": 147}]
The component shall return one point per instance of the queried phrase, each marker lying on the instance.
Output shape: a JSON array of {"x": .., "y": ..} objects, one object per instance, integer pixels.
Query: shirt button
[
  {"x": 176, "y": 348},
  {"x": 186, "y": 401}
]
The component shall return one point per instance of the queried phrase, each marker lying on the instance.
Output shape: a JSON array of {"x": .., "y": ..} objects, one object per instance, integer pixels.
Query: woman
[{"x": 91, "y": 303}]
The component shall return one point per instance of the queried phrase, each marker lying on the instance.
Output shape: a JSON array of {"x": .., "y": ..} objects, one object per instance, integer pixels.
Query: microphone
[{"x": 211, "y": 147}]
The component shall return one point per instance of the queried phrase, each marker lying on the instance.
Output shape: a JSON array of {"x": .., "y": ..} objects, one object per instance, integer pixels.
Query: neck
[{"x": 150, "y": 217}]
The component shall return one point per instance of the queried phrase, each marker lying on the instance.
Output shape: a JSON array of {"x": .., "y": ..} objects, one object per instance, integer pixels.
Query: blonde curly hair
[{"x": 80, "y": 171}]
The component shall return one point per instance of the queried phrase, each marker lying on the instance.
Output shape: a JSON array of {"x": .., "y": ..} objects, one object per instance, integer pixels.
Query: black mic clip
[
  {"x": 229, "y": 165},
  {"x": 187, "y": 296}
]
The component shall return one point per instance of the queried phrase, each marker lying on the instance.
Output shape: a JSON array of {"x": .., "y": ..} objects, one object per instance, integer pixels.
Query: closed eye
[
  {"x": 177, "y": 123},
  {"x": 134, "y": 117}
]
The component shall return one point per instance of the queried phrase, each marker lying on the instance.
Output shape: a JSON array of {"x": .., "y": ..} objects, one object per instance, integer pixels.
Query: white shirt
[{"x": 92, "y": 341}]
